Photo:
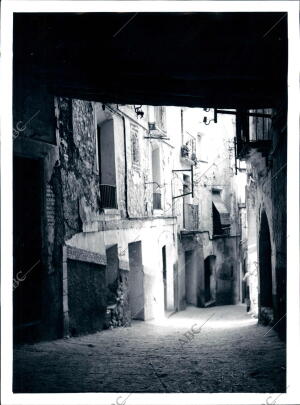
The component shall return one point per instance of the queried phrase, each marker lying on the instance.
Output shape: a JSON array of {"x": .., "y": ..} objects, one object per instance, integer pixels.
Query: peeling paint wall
[{"x": 79, "y": 180}]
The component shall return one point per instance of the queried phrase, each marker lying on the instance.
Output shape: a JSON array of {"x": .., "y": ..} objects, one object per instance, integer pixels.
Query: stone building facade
[
  {"x": 132, "y": 211},
  {"x": 100, "y": 210}
]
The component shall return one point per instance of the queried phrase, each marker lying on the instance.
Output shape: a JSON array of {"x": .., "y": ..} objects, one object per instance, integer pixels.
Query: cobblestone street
[{"x": 228, "y": 354}]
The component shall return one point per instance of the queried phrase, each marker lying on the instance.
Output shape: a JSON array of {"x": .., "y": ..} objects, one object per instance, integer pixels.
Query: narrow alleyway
[{"x": 230, "y": 353}]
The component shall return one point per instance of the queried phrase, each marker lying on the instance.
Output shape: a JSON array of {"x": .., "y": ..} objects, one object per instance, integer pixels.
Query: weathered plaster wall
[
  {"x": 252, "y": 249},
  {"x": 152, "y": 239},
  {"x": 227, "y": 267},
  {"x": 191, "y": 272},
  {"x": 79, "y": 177}
]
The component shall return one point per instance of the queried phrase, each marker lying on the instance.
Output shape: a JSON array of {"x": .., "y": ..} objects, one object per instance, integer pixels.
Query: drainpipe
[
  {"x": 125, "y": 161},
  {"x": 181, "y": 120}
]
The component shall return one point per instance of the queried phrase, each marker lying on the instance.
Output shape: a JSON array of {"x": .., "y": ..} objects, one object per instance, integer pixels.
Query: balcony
[
  {"x": 156, "y": 201},
  {"x": 253, "y": 131},
  {"x": 191, "y": 217},
  {"x": 108, "y": 196}
]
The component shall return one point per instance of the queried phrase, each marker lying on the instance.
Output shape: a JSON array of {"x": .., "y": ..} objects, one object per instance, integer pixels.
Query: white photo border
[{"x": 8, "y": 7}]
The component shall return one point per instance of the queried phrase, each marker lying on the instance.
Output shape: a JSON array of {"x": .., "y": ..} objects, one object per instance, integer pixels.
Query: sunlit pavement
[{"x": 218, "y": 349}]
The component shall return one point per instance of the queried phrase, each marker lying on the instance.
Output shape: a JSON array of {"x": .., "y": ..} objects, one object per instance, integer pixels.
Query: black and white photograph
[{"x": 150, "y": 174}]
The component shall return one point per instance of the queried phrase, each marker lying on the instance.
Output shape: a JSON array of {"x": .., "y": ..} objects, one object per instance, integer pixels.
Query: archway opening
[{"x": 265, "y": 264}]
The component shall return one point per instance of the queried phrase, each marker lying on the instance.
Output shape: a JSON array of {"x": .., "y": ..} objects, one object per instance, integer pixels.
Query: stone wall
[
  {"x": 87, "y": 297},
  {"x": 267, "y": 193},
  {"x": 79, "y": 178},
  {"x": 279, "y": 194}
]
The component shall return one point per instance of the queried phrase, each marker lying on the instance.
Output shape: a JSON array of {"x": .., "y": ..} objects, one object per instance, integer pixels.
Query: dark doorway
[
  {"x": 164, "y": 262},
  {"x": 207, "y": 271},
  {"x": 27, "y": 242},
  {"x": 191, "y": 298},
  {"x": 265, "y": 265},
  {"x": 136, "y": 281},
  {"x": 209, "y": 280}
]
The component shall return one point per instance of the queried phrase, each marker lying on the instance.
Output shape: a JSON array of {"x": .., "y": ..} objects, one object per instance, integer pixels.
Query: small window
[{"x": 259, "y": 127}]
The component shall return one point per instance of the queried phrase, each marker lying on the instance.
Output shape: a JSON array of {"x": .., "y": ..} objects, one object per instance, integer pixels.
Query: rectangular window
[
  {"x": 106, "y": 164},
  {"x": 259, "y": 127}
]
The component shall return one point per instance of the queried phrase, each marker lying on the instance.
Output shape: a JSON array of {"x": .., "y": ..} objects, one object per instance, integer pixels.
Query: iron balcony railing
[
  {"x": 156, "y": 201},
  {"x": 108, "y": 196}
]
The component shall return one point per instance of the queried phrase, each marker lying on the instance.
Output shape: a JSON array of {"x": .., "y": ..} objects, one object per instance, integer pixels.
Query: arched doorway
[{"x": 265, "y": 265}]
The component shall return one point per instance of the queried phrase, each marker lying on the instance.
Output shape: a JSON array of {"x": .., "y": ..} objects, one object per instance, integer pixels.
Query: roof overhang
[{"x": 202, "y": 59}]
